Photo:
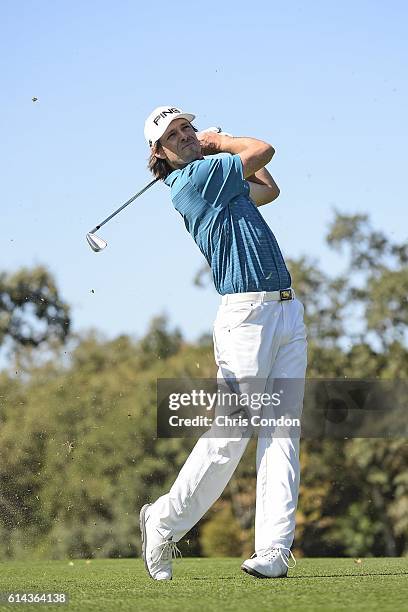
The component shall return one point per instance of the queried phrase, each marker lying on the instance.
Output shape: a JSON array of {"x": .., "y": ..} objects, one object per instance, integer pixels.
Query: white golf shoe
[
  {"x": 272, "y": 563},
  {"x": 157, "y": 551}
]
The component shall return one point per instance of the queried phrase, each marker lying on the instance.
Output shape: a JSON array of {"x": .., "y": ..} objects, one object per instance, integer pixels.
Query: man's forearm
[
  {"x": 262, "y": 187},
  {"x": 237, "y": 144},
  {"x": 262, "y": 177},
  {"x": 254, "y": 153},
  {"x": 268, "y": 190}
]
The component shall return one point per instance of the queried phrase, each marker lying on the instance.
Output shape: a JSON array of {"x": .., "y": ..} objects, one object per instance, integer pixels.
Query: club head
[{"x": 97, "y": 244}]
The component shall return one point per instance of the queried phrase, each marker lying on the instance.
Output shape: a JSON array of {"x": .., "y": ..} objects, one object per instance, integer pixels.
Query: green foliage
[
  {"x": 78, "y": 451},
  {"x": 31, "y": 310},
  {"x": 221, "y": 534},
  {"x": 78, "y": 448},
  {"x": 158, "y": 343}
]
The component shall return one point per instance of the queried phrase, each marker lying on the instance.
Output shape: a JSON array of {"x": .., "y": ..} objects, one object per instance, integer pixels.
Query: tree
[
  {"x": 78, "y": 448},
  {"x": 31, "y": 309},
  {"x": 379, "y": 278},
  {"x": 159, "y": 342}
]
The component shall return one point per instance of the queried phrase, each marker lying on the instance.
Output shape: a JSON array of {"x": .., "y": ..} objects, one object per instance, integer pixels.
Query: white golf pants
[{"x": 258, "y": 339}]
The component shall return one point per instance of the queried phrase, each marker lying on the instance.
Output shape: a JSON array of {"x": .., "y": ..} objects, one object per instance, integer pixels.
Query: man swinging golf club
[{"x": 258, "y": 333}]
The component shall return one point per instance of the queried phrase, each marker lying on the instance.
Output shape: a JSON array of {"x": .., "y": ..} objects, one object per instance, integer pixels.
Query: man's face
[{"x": 179, "y": 144}]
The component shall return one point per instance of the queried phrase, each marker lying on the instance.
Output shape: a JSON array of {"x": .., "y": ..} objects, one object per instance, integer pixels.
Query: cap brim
[{"x": 187, "y": 116}]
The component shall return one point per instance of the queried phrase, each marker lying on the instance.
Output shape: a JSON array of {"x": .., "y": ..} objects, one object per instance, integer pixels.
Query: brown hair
[{"x": 160, "y": 168}]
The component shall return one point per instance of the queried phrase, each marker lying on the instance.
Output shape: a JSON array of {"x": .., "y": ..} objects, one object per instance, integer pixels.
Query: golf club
[{"x": 98, "y": 244}]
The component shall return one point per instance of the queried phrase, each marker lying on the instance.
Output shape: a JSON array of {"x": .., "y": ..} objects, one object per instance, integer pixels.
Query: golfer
[{"x": 259, "y": 334}]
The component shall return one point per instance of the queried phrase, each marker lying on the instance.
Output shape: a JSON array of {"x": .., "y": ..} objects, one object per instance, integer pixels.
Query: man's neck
[{"x": 181, "y": 166}]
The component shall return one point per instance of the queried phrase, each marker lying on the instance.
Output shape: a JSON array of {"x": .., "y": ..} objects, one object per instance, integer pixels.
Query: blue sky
[{"x": 324, "y": 82}]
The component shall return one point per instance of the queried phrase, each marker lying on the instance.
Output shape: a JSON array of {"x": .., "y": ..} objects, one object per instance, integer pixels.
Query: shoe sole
[
  {"x": 255, "y": 574},
  {"x": 142, "y": 523}
]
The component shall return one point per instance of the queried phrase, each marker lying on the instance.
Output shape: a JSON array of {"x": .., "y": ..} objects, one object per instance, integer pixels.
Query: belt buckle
[{"x": 285, "y": 294}]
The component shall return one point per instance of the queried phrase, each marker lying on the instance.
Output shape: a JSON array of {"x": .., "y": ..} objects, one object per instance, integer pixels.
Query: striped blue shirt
[{"x": 212, "y": 196}]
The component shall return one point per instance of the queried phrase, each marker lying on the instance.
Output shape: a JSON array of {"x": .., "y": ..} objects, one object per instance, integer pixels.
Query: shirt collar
[{"x": 172, "y": 177}]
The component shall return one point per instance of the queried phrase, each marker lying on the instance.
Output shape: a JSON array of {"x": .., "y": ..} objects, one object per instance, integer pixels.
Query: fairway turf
[{"x": 213, "y": 584}]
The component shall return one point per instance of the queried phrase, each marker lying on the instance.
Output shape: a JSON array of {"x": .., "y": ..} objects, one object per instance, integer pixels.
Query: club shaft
[{"x": 132, "y": 199}]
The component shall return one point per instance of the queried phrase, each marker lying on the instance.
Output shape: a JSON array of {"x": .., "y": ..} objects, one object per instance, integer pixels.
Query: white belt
[{"x": 259, "y": 296}]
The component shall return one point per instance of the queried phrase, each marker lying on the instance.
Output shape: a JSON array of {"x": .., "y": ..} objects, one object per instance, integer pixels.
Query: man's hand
[
  {"x": 255, "y": 154},
  {"x": 210, "y": 142}
]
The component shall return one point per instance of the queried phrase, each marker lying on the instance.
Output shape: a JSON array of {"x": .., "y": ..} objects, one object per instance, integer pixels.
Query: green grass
[{"x": 213, "y": 584}]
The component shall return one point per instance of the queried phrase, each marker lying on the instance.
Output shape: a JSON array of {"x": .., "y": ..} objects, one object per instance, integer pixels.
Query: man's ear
[{"x": 158, "y": 151}]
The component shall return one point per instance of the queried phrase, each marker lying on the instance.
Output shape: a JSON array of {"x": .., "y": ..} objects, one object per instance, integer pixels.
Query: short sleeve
[{"x": 219, "y": 179}]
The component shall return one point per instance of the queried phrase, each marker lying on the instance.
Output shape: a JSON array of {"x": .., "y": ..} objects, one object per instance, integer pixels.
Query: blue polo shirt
[{"x": 212, "y": 196}]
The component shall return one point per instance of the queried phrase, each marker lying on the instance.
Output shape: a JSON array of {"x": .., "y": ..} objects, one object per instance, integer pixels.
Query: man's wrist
[
  {"x": 226, "y": 143},
  {"x": 232, "y": 144}
]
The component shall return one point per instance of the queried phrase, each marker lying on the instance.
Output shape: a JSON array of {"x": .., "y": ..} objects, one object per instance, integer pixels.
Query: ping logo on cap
[
  {"x": 163, "y": 114},
  {"x": 160, "y": 118}
]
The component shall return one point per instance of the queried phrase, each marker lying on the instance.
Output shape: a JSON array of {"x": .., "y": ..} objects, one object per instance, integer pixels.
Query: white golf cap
[{"x": 159, "y": 120}]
